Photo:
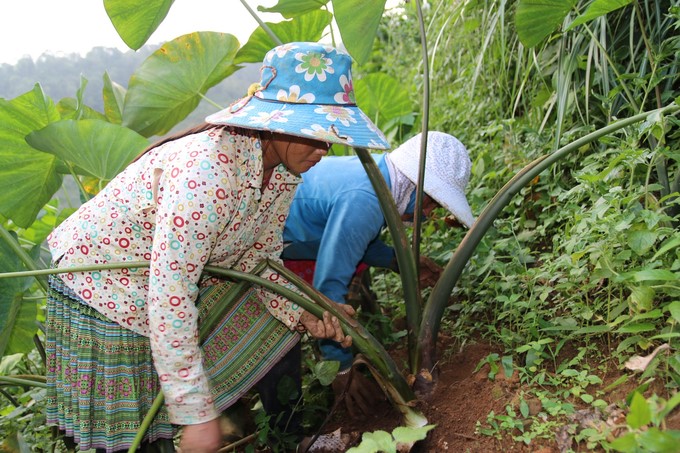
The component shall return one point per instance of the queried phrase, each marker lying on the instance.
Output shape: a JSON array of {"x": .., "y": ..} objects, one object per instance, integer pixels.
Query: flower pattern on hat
[
  {"x": 313, "y": 64},
  {"x": 305, "y": 90},
  {"x": 293, "y": 95}
]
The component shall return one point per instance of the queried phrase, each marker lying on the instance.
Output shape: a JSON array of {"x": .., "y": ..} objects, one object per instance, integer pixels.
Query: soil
[{"x": 462, "y": 397}]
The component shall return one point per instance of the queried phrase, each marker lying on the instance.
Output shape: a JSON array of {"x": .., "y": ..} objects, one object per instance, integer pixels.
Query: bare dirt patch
[{"x": 464, "y": 396}]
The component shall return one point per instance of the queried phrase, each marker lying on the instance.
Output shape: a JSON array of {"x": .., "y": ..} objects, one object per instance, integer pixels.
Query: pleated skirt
[{"x": 101, "y": 381}]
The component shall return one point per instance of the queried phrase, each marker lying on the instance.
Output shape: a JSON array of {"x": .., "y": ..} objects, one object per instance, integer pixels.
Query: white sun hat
[
  {"x": 306, "y": 90},
  {"x": 447, "y": 171}
]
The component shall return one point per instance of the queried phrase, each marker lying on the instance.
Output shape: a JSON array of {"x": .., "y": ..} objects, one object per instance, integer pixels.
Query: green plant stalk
[
  {"x": 417, "y": 221},
  {"x": 434, "y": 308},
  {"x": 214, "y": 317},
  {"x": 404, "y": 253},
  {"x": 146, "y": 422},
  {"x": 365, "y": 342},
  {"x": 412, "y": 418},
  {"x": 79, "y": 183},
  {"x": 37, "y": 382},
  {"x": 21, "y": 253},
  {"x": 264, "y": 26}
]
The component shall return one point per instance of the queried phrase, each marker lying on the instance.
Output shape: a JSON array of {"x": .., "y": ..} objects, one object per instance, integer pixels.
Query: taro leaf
[
  {"x": 382, "y": 98},
  {"x": 294, "y": 8},
  {"x": 29, "y": 178},
  {"x": 358, "y": 22},
  {"x": 17, "y": 317},
  {"x": 596, "y": 9},
  {"x": 136, "y": 20},
  {"x": 69, "y": 108},
  {"x": 47, "y": 222},
  {"x": 171, "y": 82},
  {"x": 114, "y": 99},
  {"x": 308, "y": 28},
  {"x": 535, "y": 20},
  {"x": 99, "y": 148}
]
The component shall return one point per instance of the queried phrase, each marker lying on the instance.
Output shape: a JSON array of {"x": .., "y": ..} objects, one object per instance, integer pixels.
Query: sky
[{"x": 33, "y": 27}]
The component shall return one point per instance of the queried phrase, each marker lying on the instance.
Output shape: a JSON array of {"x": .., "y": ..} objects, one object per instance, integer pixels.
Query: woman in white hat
[
  {"x": 335, "y": 221},
  {"x": 217, "y": 195}
]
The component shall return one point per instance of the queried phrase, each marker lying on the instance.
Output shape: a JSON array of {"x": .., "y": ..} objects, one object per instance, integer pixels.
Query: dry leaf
[{"x": 637, "y": 363}]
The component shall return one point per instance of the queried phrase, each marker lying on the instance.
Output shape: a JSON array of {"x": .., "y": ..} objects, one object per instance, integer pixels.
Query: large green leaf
[
  {"x": 596, "y": 9},
  {"x": 358, "y": 22},
  {"x": 114, "y": 99},
  {"x": 308, "y": 27},
  {"x": 382, "y": 98},
  {"x": 294, "y": 8},
  {"x": 99, "y": 148},
  {"x": 136, "y": 20},
  {"x": 29, "y": 177},
  {"x": 171, "y": 82},
  {"x": 535, "y": 20},
  {"x": 17, "y": 317}
]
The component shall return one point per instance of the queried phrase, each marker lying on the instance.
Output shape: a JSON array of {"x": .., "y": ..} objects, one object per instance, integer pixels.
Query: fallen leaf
[{"x": 638, "y": 363}]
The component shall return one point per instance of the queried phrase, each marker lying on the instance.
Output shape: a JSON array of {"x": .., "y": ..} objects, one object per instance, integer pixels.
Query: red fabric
[{"x": 305, "y": 268}]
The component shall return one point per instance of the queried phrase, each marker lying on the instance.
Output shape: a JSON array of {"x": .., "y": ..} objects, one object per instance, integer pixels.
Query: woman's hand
[
  {"x": 329, "y": 326},
  {"x": 201, "y": 438},
  {"x": 429, "y": 272}
]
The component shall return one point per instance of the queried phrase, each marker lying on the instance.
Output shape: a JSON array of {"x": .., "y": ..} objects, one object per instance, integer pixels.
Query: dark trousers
[{"x": 283, "y": 415}]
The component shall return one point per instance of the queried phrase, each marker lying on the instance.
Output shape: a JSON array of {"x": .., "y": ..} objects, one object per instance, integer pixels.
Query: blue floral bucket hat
[{"x": 305, "y": 90}]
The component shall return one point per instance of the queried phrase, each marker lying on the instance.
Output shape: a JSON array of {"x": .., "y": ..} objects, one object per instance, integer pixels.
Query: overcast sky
[{"x": 32, "y": 27}]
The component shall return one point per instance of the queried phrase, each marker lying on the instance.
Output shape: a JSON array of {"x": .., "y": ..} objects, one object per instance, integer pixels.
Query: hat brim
[
  {"x": 448, "y": 197},
  {"x": 345, "y": 125},
  {"x": 454, "y": 201}
]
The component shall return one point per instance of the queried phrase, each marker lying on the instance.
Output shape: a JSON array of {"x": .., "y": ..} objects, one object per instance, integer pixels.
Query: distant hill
[{"x": 60, "y": 77}]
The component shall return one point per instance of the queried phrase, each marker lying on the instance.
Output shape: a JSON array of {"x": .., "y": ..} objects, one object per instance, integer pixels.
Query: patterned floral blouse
[{"x": 190, "y": 202}]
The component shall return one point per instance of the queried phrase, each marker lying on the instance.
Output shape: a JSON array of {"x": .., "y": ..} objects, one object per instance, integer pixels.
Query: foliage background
[{"x": 586, "y": 257}]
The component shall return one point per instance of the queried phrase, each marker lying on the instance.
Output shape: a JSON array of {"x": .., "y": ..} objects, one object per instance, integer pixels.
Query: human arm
[
  {"x": 328, "y": 326},
  {"x": 428, "y": 271},
  {"x": 182, "y": 243},
  {"x": 379, "y": 254},
  {"x": 203, "y": 437},
  {"x": 354, "y": 221},
  {"x": 269, "y": 246}
]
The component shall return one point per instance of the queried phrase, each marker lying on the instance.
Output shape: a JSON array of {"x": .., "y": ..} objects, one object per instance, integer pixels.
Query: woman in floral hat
[{"x": 216, "y": 195}]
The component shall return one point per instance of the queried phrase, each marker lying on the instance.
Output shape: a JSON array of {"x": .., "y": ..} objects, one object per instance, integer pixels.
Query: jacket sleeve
[
  {"x": 269, "y": 245},
  {"x": 378, "y": 254},
  {"x": 354, "y": 222},
  {"x": 183, "y": 240}
]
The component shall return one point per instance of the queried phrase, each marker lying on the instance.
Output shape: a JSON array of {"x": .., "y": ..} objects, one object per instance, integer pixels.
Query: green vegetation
[{"x": 569, "y": 111}]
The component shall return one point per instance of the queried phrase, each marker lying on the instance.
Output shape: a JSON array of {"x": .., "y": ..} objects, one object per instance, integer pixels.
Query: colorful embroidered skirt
[{"x": 100, "y": 376}]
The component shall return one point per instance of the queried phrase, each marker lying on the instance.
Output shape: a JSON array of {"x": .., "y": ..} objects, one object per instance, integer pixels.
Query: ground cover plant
[{"x": 565, "y": 294}]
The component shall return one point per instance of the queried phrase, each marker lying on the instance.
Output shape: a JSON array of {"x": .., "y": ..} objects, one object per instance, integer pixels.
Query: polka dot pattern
[{"x": 191, "y": 202}]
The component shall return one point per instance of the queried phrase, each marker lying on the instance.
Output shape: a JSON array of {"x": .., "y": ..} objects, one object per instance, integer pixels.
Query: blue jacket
[{"x": 335, "y": 219}]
